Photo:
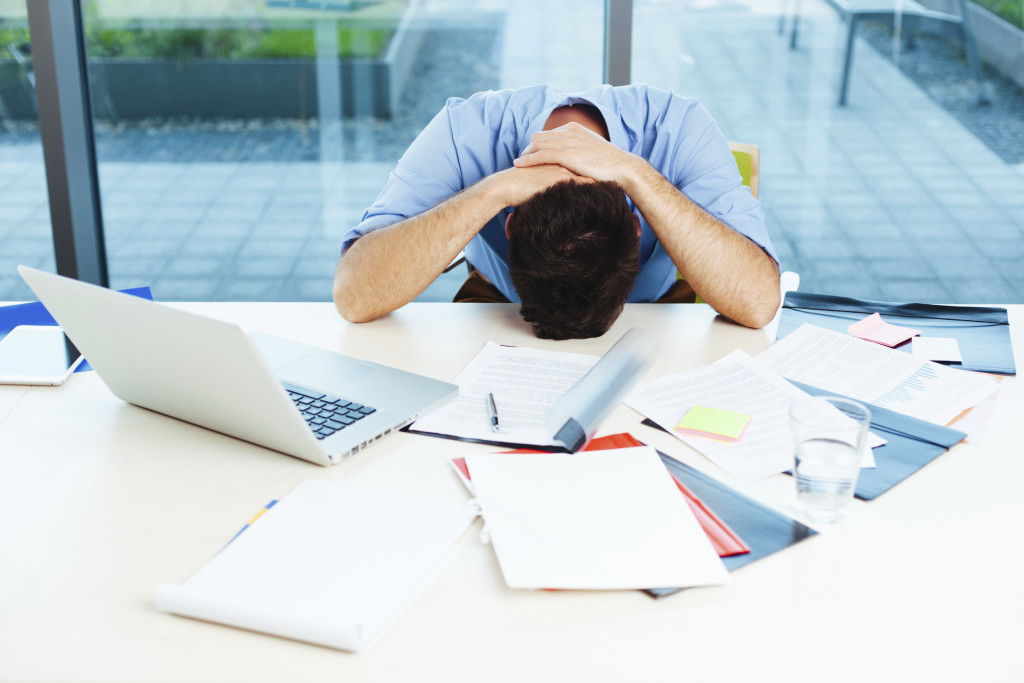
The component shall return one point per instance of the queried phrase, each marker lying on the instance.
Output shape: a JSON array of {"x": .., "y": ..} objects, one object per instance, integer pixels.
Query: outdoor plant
[
  {"x": 1010, "y": 10},
  {"x": 185, "y": 44}
]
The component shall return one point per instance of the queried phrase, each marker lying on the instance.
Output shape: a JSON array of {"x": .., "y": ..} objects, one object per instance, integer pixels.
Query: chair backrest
[{"x": 748, "y": 160}]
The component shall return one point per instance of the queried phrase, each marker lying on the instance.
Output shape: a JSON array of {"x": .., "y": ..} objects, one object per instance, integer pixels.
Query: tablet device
[{"x": 37, "y": 354}]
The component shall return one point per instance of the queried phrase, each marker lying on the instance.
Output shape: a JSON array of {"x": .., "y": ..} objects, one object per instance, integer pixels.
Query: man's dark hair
[{"x": 573, "y": 257}]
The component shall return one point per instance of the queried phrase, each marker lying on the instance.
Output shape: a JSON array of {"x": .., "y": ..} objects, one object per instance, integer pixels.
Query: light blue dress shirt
[{"x": 472, "y": 138}]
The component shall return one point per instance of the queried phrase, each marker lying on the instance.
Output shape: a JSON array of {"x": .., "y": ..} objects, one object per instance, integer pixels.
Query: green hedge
[
  {"x": 183, "y": 44},
  {"x": 1011, "y": 10}
]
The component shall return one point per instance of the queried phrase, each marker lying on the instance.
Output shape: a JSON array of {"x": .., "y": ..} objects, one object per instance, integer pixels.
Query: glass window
[
  {"x": 24, "y": 207},
  {"x": 237, "y": 141},
  {"x": 912, "y": 191}
]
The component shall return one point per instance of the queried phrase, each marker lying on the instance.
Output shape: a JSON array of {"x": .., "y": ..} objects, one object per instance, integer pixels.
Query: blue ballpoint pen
[{"x": 492, "y": 411}]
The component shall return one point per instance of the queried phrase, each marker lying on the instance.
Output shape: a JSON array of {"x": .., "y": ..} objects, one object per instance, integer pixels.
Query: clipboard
[
  {"x": 34, "y": 313},
  {"x": 982, "y": 332}
]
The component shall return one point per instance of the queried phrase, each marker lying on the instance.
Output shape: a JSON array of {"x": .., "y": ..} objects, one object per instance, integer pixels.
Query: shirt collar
[{"x": 601, "y": 97}]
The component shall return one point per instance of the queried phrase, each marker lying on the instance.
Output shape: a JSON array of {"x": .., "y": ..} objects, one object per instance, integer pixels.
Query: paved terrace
[{"x": 889, "y": 198}]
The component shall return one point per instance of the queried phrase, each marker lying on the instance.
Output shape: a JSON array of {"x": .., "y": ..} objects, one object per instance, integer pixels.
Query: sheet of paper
[
  {"x": 738, "y": 383},
  {"x": 868, "y": 372},
  {"x": 938, "y": 349},
  {"x": 525, "y": 383},
  {"x": 975, "y": 422},
  {"x": 594, "y": 520},
  {"x": 874, "y": 329},
  {"x": 330, "y": 563}
]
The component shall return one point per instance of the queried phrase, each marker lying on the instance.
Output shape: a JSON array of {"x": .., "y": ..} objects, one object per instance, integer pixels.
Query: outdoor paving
[{"x": 888, "y": 198}]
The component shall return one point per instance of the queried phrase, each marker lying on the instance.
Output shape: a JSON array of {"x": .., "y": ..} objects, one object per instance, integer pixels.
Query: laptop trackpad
[{"x": 319, "y": 370}]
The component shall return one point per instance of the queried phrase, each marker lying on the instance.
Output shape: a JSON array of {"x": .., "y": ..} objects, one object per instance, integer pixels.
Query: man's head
[{"x": 573, "y": 257}]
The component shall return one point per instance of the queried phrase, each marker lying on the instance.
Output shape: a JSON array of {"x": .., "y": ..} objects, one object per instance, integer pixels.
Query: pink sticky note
[{"x": 874, "y": 329}]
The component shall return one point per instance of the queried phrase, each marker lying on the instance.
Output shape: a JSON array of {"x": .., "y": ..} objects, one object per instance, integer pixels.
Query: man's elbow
[
  {"x": 350, "y": 305},
  {"x": 763, "y": 309},
  {"x": 763, "y": 315},
  {"x": 350, "y": 308}
]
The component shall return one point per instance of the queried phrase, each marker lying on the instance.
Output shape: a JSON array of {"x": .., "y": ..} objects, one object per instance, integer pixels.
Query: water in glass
[{"x": 826, "y": 473}]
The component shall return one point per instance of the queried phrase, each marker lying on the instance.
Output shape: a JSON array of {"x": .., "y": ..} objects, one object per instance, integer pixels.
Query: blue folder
[
  {"x": 910, "y": 445},
  {"x": 34, "y": 313},
  {"x": 981, "y": 332},
  {"x": 763, "y": 529}
]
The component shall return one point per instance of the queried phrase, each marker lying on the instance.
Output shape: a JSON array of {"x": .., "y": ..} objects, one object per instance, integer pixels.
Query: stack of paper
[
  {"x": 735, "y": 383},
  {"x": 330, "y": 564},
  {"x": 868, "y": 372},
  {"x": 596, "y": 520},
  {"x": 549, "y": 400}
]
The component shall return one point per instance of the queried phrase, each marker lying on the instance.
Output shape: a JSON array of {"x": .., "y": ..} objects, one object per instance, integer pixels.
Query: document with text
[
  {"x": 865, "y": 371},
  {"x": 737, "y": 383},
  {"x": 525, "y": 383}
]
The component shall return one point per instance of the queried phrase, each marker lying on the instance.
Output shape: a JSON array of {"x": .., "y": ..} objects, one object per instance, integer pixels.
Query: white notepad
[
  {"x": 593, "y": 520},
  {"x": 331, "y": 564}
]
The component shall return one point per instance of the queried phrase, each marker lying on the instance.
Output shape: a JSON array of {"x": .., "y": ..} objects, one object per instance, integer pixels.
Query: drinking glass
[{"x": 830, "y": 434}]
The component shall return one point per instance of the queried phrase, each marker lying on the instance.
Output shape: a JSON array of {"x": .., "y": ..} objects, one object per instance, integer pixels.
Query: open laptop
[{"x": 298, "y": 399}]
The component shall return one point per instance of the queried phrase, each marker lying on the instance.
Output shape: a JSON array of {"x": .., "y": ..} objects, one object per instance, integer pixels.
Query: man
[{"x": 458, "y": 184}]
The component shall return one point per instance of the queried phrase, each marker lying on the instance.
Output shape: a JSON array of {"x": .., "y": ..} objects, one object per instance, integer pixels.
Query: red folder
[{"x": 723, "y": 539}]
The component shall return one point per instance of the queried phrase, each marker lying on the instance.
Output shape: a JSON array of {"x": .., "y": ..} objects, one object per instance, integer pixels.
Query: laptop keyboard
[{"x": 326, "y": 414}]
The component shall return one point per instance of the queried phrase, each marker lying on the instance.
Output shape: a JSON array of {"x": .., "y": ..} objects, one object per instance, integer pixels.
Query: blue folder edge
[
  {"x": 765, "y": 530},
  {"x": 982, "y": 332},
  {"x": 911, "y": 444},
  {"x": 34, "y": 313}
]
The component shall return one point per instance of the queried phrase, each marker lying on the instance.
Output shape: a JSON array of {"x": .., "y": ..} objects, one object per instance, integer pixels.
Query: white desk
[{"x": 100, "y": 502}]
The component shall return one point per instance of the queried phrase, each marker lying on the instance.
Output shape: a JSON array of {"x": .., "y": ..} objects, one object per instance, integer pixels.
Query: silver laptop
[{"x": 301, "y": 400}]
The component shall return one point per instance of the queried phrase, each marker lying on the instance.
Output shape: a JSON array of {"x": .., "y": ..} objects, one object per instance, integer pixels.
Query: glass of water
[{"x": 830, "y": 435}]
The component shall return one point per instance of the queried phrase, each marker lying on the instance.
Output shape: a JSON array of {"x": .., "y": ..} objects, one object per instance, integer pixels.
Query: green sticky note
[{"x": 713, "y": 423}]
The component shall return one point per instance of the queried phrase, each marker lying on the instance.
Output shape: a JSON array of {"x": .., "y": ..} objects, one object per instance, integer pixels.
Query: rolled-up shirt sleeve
[
  {"x": 426, "y": 175},
  {"x": 708, "y": 175}
]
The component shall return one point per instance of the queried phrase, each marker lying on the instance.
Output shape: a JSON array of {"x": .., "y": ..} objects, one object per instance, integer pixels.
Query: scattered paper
[
  {"x": 331, "y": 563},
  {"x": 738, "y": 383},
  {"x": 594, "y": 520},
  {"x": 868, "y": 372},
  {"x": 713, "y": 423},
  {"x": 874, "y": 329},
  {"x": 525, "y": 383},
  {"x": 938, "y": 349}
]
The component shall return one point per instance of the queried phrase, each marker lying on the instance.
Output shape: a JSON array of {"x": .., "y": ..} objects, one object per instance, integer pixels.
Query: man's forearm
[
  {"x": 388, "y": 268},
  {"x": 726, "y": 269}
]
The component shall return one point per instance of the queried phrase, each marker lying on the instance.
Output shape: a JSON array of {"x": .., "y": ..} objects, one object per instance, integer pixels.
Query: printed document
[
  {"x": 525, "y": 382},
  {"x": 842, "y": 364},
  {"x": 737, "y": 383},
  {"x": 593, "y": 520}
]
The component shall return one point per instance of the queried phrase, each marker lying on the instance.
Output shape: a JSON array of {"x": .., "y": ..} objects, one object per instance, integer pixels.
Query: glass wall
[
  {"x": 237, "y": 140},
  {"x": 25, "y": 235},
  {"x": 912, "y": 191}
]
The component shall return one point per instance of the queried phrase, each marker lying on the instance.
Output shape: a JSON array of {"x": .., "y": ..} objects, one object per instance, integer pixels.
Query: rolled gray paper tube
[{"x": 575, "y": 417}]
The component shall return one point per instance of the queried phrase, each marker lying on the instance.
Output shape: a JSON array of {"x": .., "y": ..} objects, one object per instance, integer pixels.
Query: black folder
[
  {"x": 910, "y": 445},
  {"x": 762, "y": 528},
  {"x": 982, "y": 332}
]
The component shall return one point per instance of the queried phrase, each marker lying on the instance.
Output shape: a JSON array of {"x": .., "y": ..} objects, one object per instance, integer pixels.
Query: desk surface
[{"x": 101, "y": 501}]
